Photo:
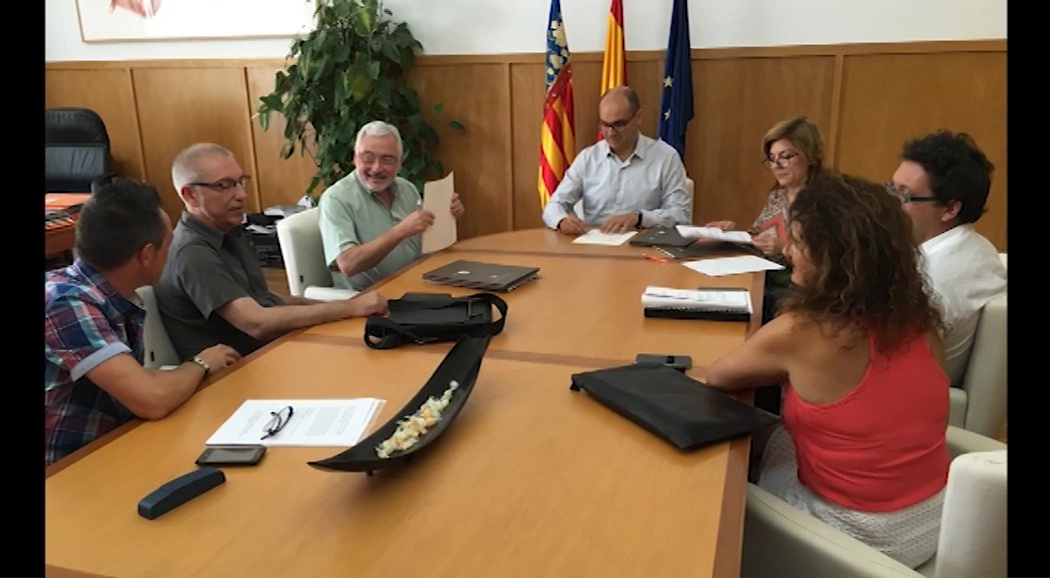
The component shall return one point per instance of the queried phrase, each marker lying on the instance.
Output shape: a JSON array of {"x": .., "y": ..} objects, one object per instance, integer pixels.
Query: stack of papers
[
  {"x": 596, "y": 237},
  {"x": 314, "y": 422},
  {"x": 732, "y": 265},
  {"x": 698, "y": 299},
  {"x": 714, "y": 233}
]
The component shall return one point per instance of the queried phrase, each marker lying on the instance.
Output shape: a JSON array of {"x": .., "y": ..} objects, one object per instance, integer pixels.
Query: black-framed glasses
[
  {"x": 225, "y": 185},
  {"x": 907, "y": 197},
  {"x": 278, "y": 420},
  {"x": 782, "y": 161},
  {"x": 369, "y": 158},
  {"x": 616, "y": 126}
]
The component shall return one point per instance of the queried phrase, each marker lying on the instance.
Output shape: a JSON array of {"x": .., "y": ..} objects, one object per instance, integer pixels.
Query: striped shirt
[{"x": 86, "y": 322}]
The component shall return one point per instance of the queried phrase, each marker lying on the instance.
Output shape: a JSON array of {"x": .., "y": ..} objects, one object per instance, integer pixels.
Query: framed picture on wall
[{"x": 130, "y": 20}]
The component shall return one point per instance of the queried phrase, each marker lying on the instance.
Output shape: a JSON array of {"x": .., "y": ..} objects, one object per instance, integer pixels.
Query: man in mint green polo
[{"x": 372, "y": 220}]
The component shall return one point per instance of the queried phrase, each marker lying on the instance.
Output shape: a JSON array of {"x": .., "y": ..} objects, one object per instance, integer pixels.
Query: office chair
[
  {"x": 302, "y": 251},
  {"x": 160, "y": 352},
  {"x": 979, "y": 405},
  {"x": 76, "y": 151},
  {"x": 781, "y": 540}
]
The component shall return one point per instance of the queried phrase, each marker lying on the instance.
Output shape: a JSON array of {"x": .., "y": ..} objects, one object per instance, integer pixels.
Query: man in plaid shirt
[{"x": 93, "y": 324}]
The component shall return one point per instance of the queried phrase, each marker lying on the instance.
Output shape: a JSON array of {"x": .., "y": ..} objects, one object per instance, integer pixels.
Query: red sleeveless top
[{"x": 881, "y": 447}]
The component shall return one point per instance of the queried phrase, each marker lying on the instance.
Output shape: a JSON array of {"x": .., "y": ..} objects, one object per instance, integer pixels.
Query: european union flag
[{"x": 676, "y": 100}]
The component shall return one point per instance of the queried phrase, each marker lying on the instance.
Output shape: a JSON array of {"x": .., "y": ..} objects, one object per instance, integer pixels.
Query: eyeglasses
[
  {"x": 278, "y": 421},
  {"x": 225, "y": 185},
  {"x": 782, "y": 161},
  {"x": 369, "y": 158},
  {"x": 616, "y": 126},
  {"x": 907, "y": 197}
]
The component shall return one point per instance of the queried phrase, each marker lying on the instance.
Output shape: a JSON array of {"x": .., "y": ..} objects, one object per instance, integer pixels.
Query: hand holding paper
[{"x": 438, "y": 199}]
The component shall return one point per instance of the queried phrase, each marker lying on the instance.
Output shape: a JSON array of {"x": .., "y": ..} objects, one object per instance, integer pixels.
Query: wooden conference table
[{"x": 531, "y": 480}]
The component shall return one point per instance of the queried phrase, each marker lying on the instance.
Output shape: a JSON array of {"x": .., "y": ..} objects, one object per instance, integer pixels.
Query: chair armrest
[
  {"x": 961, "y": 441},
  {"x": 781, "y": 540},
  {"x": 328, "y": 293}
]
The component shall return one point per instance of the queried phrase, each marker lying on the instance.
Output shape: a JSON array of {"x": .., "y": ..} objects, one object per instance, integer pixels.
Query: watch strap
[{"x": 204, "y": 365}]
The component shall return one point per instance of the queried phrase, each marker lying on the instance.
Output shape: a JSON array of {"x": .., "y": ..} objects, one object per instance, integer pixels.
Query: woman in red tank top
[{"x": 855, "y": 346}]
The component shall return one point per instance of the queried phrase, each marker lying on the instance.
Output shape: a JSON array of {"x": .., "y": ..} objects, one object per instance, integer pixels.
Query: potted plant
[{"x": 350, "y": 70}]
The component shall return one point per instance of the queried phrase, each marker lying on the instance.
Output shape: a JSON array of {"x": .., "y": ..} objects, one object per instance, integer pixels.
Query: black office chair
[{"x": 76, "y": 151}]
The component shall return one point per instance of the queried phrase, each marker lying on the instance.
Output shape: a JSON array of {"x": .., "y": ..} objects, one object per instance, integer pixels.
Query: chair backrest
[
  {"x": 76, "y": 150},
  {"x": 159, "y": 349},
  {"x": 302, "y": 250},
  {"x": 985, "y": 378},
  {"x": 1002, "y": 258}
]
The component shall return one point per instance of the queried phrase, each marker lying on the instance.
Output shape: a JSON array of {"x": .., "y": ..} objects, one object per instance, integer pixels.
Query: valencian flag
[
  {"x": 558, "y": 134},
  {"x": 614, "y": 64},
  {"x": 676, "y": 100}
]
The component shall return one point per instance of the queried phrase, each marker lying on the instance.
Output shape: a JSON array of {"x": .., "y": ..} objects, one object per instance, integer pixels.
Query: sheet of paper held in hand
[
  {"x": 314, "y": 422},
  {"x": 596, "y": 237},
  {"x": 732, "y": 265},
  {"x": 437, "y": 198}
]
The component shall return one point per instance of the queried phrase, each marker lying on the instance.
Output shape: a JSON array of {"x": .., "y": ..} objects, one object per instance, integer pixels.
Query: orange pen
[{"x": 657, "y": 259}]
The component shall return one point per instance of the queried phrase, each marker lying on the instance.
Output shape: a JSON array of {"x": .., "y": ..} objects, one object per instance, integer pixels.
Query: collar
[
  {"x": 213, "y": 236},
  {"x": 946, "y": 238},
  {"x": 122, "y": 304},
  {"x": 641, "y": 147}
]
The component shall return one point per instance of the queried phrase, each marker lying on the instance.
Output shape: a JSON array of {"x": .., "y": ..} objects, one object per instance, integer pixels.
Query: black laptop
[{"x": 484, "y": 276}]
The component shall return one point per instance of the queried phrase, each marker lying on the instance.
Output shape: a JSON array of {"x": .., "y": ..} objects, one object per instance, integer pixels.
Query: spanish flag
[
  {"x": 614, "y": 65},
  {"x": 558, "y": 134}
]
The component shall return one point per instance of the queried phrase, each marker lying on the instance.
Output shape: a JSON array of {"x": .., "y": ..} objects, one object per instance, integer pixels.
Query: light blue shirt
[{"x": 651, "y": 180}]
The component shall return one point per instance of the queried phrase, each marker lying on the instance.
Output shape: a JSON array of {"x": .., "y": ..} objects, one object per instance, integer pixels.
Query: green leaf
[
  {"x": 438, "y": 107},
  {"x": 287, "y": 149},
  {"x": 264, "y": 119},
  {"x": 456, "y": 125},
  {"x": 373, "y": 69}
]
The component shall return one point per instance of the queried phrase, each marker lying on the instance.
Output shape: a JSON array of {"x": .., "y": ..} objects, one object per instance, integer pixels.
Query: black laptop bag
[{"x": 431, "y": 317}]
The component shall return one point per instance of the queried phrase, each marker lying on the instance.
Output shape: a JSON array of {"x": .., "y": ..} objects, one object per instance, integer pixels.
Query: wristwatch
[
  {"x": 638, "y": 225},
  {"x": 204, "y": 365}
]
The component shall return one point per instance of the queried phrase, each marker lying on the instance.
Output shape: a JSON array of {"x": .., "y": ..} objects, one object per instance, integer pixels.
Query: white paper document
[
  {"x": 437, "y": 198},
  {"x": 721, "y": 299},
  {"x": 596, "y": 237},
  {"x": 732, "y": 265},
  {"x": 690, "y": 232},
  {"x": 313, "y": 422}
]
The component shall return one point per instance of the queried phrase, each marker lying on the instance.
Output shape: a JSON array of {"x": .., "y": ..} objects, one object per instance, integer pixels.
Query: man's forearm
[
  {"x": 278, "y": 320},
  {"x": 363, "y": 257}
]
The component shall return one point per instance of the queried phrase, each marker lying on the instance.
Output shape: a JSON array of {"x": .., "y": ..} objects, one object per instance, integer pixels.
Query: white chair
[
  {"x": 160, "y": 352},
  {"x": 578, "y": 207},
  {"x": 979, "y": 405},
  {"x": 302, "y": 251},
  {"x": 781, "y": 540},
  {"x": 1002, "y": 257}
]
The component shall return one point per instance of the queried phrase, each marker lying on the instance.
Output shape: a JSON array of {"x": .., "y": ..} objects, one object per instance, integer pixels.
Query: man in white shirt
[
  {"x": 626, "y": 180},
  {"x": 943, "y": 183}
]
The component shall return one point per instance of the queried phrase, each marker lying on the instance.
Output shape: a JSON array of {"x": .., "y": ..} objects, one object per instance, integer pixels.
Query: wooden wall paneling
[
  {"x": 280, "y": 181},
  {"x": 890, "y": 98},
  {"x": 736, "y": 103},
  {"x": 110, "y": 93},
  {"x": 645, "y": 77},
  {"x": 182, "y": 106},
  {"x": 475, "y": 95},
  {"x": 527, "y": 86}
]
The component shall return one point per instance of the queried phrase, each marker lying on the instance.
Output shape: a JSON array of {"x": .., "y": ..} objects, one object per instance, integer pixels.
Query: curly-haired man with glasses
[{"x": 943, "y": 183}]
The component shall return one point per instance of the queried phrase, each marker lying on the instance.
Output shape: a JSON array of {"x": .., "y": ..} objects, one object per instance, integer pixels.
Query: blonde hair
[{"x": 804, "y": 136}]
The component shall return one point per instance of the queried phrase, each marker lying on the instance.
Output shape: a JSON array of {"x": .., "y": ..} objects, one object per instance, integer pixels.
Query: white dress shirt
[
  {"x": 651, "y": 180},
  {"x": 965, "y": 272}
]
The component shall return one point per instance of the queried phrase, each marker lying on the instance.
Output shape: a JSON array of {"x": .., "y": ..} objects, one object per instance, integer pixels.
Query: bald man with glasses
[
  {"x": 212, "y": 289},
  {"x": 627, "y": 180}
]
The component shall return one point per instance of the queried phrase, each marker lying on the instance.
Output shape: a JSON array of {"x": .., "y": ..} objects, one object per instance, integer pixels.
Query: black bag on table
[
  {"x": 679, "y": 409},
  {"x": 431, "y": 317}
]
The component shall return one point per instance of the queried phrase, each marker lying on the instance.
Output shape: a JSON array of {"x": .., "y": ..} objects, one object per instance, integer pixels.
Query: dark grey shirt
[{"x": 207, "y": 269}]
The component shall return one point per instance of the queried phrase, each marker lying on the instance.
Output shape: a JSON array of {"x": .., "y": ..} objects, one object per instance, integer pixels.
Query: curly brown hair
[{"x": 867, "y": 265}]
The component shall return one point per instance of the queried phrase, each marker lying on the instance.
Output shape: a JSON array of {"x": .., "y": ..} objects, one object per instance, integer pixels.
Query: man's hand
[
  {"x": 620, "y": 223},
  {"x": 457, "y": 207},
  {"x": 416, "y": 223},
  {"x": 572, "y": 225},
  {"x": 768, "y": 242},
  {"x": 218, "y": 357},
  {"x": 366, "y": 304},
  {"x": 724, "y": 225}
]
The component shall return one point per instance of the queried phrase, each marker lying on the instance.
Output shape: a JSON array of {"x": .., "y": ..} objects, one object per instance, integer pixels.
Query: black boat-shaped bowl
[{"x": 461, "y": 364}]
